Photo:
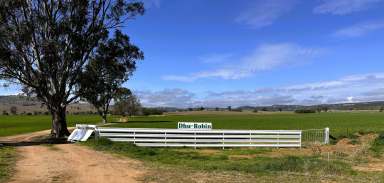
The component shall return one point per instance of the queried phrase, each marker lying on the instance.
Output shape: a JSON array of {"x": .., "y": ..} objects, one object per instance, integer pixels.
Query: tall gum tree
[{"x": 45, "y": 45}]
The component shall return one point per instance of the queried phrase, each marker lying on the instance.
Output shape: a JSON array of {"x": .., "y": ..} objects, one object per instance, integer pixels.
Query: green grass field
[
  {"x": 340, "y": 123},
  {"x": 12, "y": 125},
  {"x": 251, "y": 164}
]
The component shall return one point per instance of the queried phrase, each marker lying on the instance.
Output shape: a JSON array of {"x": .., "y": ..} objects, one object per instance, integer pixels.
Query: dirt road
[{"x": 70, "y": 163}]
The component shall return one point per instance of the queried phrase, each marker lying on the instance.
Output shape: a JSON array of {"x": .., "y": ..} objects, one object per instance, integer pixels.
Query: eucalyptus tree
[
  {"x": 112, "y": 65},
  {"x": 45, "y": 46}
]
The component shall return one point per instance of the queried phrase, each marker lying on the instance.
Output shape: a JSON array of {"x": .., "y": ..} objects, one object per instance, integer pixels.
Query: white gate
[{"x": 208, "y": 138}]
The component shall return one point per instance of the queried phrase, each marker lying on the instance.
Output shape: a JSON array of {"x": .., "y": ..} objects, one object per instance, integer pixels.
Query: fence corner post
[{"x": 326, "y": 135}]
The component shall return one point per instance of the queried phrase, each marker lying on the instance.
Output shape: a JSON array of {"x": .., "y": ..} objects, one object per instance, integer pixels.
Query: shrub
[
  {"x": 305, "y": 111},
  {"x": 378, "y": 145},
  {"x": 13, "y": 110},
  {"x": 152, "y": 111},
  {"x": 237, "y": 110}
]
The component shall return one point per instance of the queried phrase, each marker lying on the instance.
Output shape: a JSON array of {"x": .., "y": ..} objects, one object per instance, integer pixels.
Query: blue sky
[{"x": 220, "y": 53}]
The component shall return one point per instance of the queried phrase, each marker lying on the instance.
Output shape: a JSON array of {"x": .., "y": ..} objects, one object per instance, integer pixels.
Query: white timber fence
[{"x": 203, "y": 138}]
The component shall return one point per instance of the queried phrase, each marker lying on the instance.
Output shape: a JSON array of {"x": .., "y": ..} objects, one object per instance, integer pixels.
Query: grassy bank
[{"x": 7, "y": 161}]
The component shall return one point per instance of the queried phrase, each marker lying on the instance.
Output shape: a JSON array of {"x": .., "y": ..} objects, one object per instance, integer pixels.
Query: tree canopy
[
  {"x": 46, "y": 45},
  {"x": 111, "y": 66}
]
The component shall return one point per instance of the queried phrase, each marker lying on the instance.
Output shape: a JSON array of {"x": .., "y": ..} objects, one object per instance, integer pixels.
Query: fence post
[
  {"x": 278, "y": 139},
  {"x": 250, "y": 136},
  {"x": 301, "y": 132},
  {"x": 165, "y": 138},
  {"x": 326, "y": 135},
  {"x": 134, "y": 137},
  {"x": 97, "y": 135},
  {"x": 195, "y": 140},
  {"x": 223, "y": 141}
]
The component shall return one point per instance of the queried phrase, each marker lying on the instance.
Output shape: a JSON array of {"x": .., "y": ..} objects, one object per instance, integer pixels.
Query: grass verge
[
  {"x": 7, "y": 161},
  {"x": 223, "y": 161}
]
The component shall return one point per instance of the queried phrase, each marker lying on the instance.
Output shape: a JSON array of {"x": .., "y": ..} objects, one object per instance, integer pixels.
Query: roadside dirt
[{"x": 70, "y": 163}]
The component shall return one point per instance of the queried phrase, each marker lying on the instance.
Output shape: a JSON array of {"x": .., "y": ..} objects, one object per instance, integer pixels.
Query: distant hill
[
  {"x": 376, "y": 105},
  {"x": 32, "y": 105}
]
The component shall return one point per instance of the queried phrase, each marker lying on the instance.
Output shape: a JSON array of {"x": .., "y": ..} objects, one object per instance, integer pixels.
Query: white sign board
[{"x": 194, "y": 126}]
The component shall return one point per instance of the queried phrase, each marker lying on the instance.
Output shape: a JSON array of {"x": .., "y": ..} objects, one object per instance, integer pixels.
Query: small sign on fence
[{"x": 194, "y": 126}]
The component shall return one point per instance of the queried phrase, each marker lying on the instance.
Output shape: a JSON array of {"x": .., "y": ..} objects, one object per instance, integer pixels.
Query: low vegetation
[
  {"x": 378, "y": 145},
  {"x": 264, "y": 164},
  {"x": 305, "y": 111},
  {"x": 223, "y": 160},
  {"x": 7, "y": 160}
]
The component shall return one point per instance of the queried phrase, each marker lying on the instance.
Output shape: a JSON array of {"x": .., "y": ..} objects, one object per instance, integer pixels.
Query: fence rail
[{"x": 208, "y": 138}]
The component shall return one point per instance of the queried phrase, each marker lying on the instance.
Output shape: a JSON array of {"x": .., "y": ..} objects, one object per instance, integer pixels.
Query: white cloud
[
  {"x": 265, "y": 13},
  {"x": 343, "y": 7},
  {"x": 352, "y": 88},
  {"x": 265, "y": 57},
  {"x": 360, "y": 29},
  {"x": 166, "y": 97},
  {"x": 215, "y": 58}
]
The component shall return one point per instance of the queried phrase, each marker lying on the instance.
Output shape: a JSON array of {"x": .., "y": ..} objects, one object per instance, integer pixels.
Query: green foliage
[
  {"x": 304, "y": 111},
  {"x": 47, "y": 52},
  {"x": 377, "y": 146},
  {"x": 151, "y": 111},
  {"x": 7, "y": 161},
  {"x": 113, "y": 63},
  {"x": 127, "y": 104}
]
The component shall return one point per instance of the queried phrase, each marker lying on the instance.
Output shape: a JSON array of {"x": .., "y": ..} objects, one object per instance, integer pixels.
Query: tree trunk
[
  {"x": 104, "y": 116},
  {"x": 59, "y": 123}
]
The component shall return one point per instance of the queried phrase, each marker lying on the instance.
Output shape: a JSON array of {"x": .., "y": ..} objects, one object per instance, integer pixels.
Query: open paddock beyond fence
[{"x": 207, "y": 138}]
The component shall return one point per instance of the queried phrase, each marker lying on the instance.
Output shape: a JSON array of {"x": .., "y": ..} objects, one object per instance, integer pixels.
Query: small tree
[
  {"x": 127, "y": 103},
  {"x": 229, "y": 108},
  {"x": 13, "y": 110},
  {"x": 107, "y": 71}
]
